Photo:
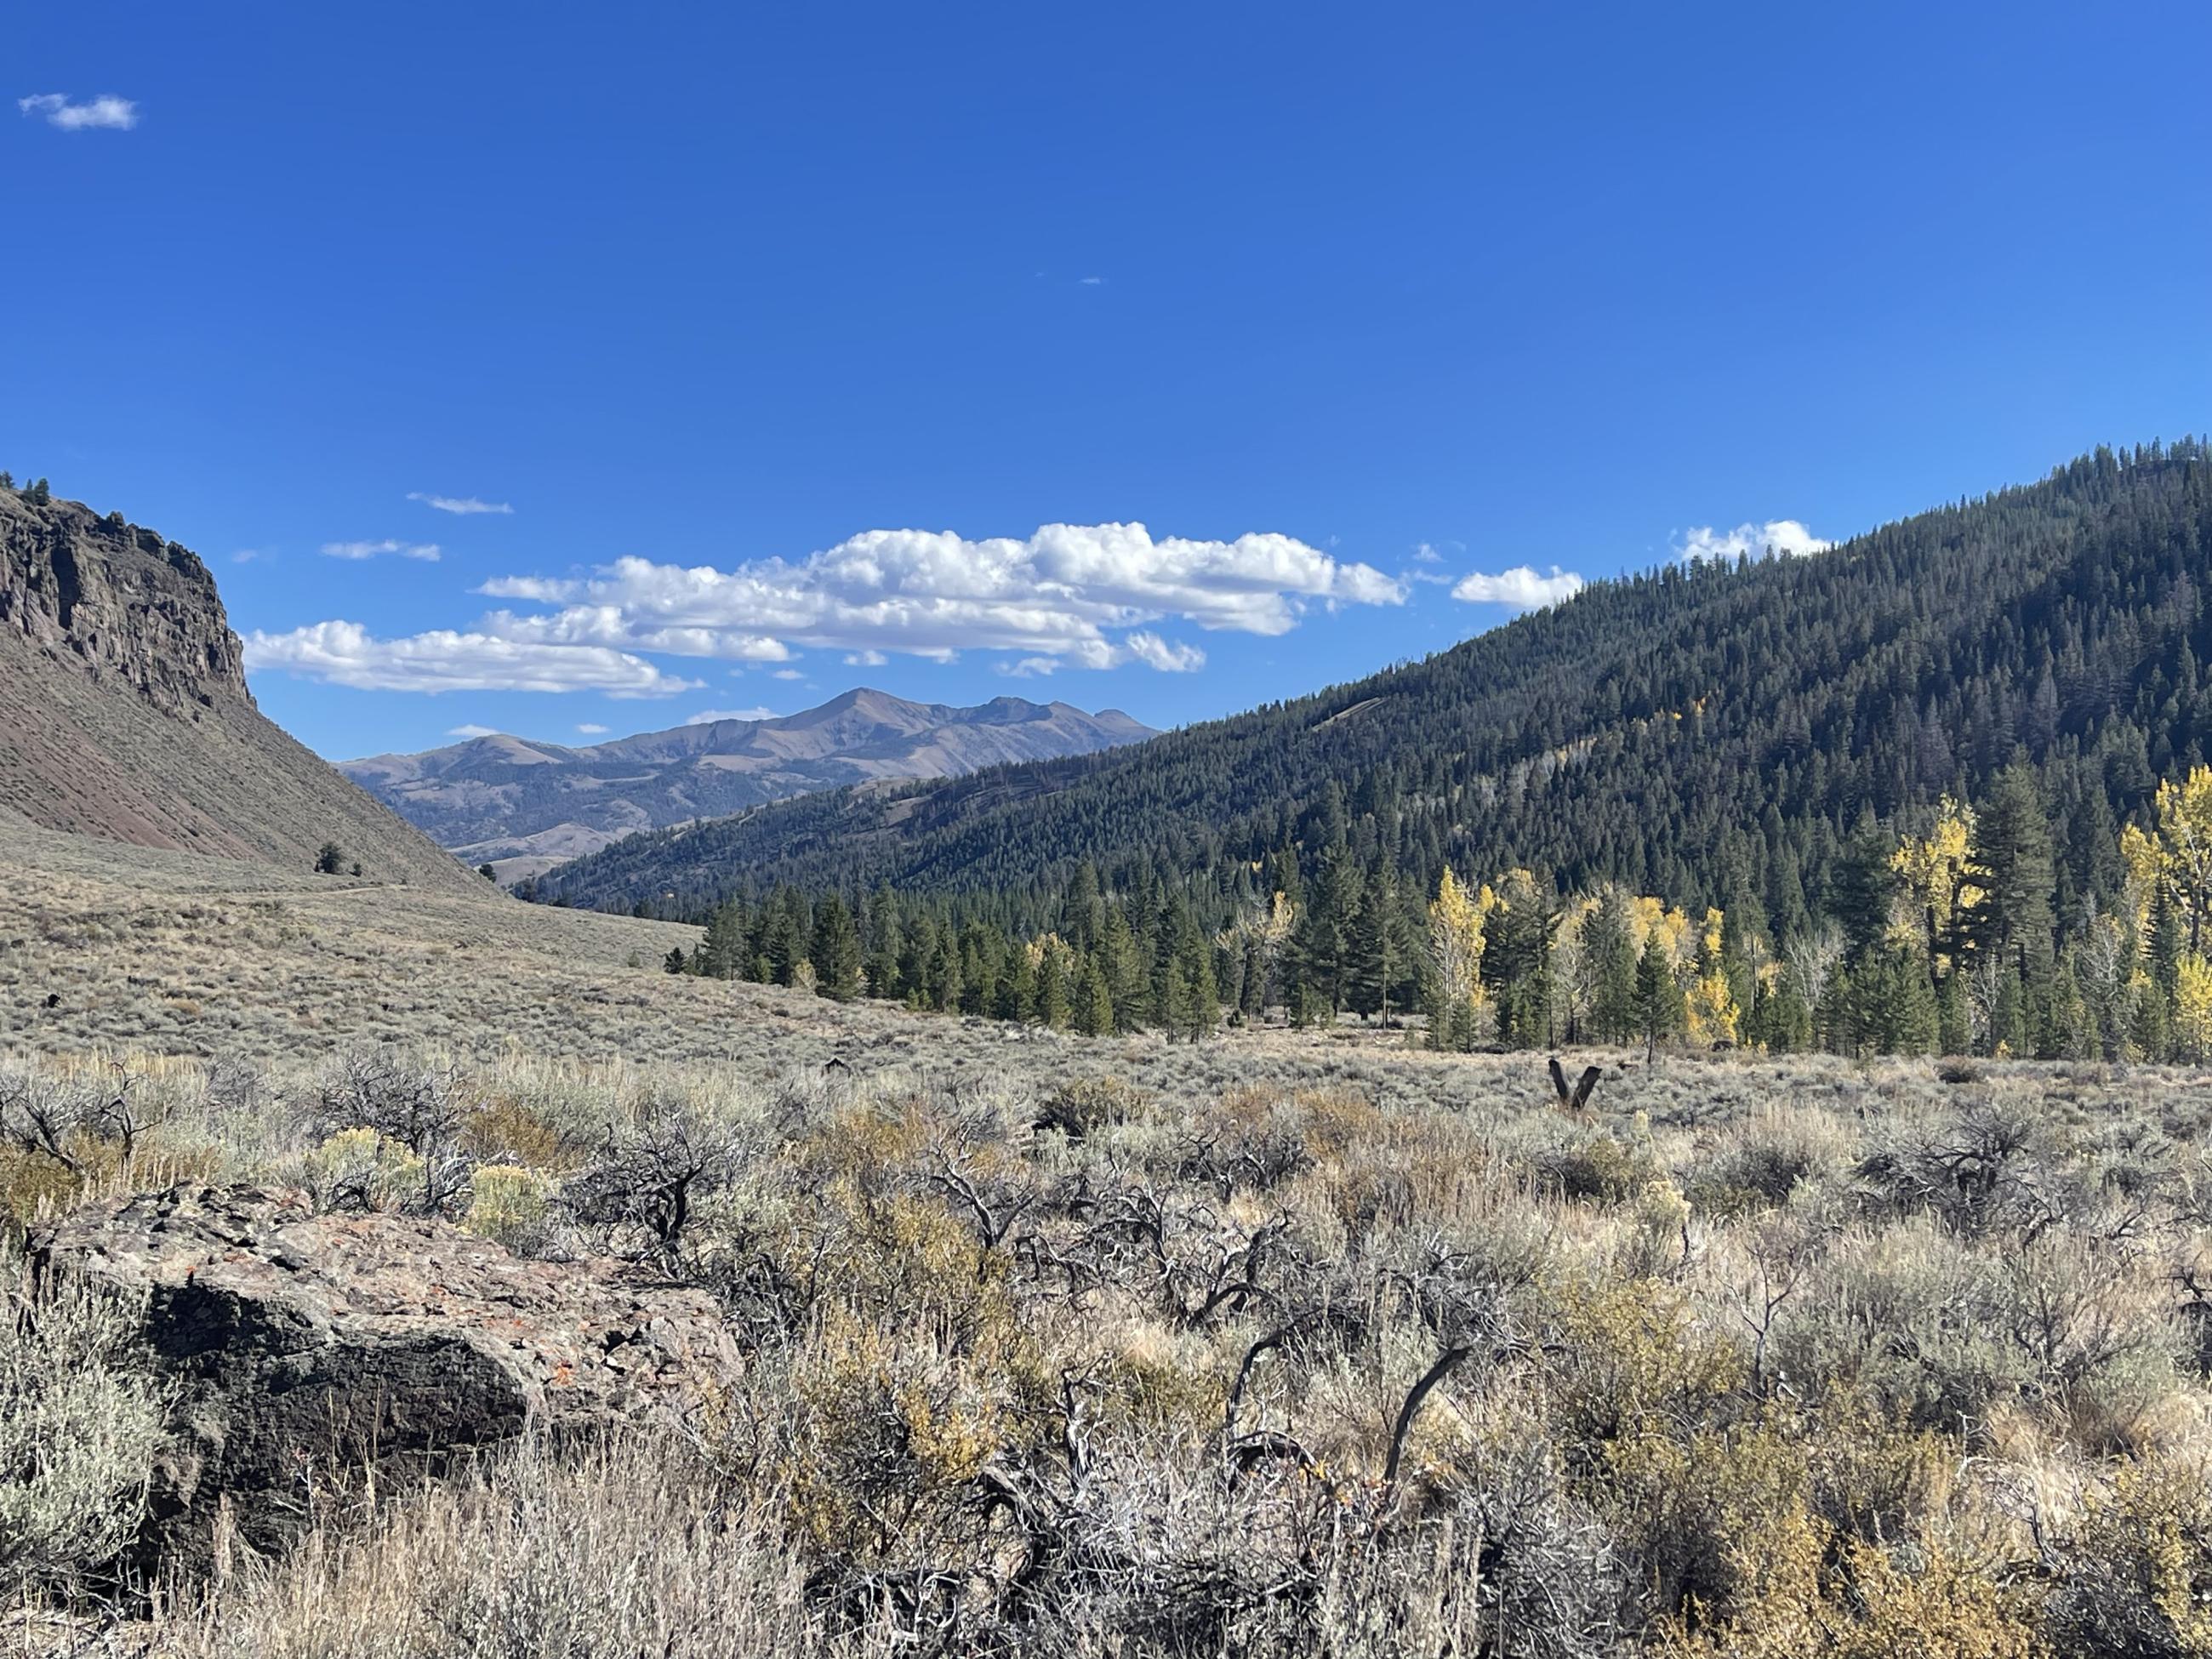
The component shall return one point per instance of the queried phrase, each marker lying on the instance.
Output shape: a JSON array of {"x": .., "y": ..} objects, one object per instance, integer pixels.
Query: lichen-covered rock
[{"x": 308, "y": 1349}]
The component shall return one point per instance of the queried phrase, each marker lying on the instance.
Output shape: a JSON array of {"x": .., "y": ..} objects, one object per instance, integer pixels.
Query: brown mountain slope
[
  {"x": 124, "y": 711},
  {"x": 527, "y": 806}
]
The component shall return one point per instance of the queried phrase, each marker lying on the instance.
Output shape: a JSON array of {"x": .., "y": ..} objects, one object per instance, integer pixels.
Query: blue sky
[{"x": 784, "y": 332}]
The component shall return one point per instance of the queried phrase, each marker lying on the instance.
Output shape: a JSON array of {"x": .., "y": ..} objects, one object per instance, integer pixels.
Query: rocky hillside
[
  {"x": 124, "y": 711},
  {"x": 527, "y": 806}
]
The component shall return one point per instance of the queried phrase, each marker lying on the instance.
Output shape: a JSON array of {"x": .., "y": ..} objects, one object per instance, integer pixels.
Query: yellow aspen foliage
[
  {"x": 1713, "y": 1013},
  {"x": 2184, "y": 836},
  {"x": 1932, "y": 870},
  {"x": 2192, "y": 1007},
  {"x": 2146, "y": 868},
  {"x": 1456, "y": 919}
]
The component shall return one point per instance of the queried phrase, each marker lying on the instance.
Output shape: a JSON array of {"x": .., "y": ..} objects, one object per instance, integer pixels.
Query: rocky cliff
[{"x": 125, "y": 712}]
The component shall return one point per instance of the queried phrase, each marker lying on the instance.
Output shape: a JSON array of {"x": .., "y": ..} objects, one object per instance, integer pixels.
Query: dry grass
[{"x": 1066, "y": 1347}]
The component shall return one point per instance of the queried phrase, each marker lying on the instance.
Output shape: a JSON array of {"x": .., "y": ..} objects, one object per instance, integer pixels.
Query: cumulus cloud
[
  {"x": 1071, "y": 594},
  {"x": 864, "y": 660},
  {"x": 708, "y": 716},
  {"x": 108, "y": 111},
  {"x": 1782, "y": 536},
  {"x": 1519, "y": 589},
  {"x": 790, "y": 674},
  {"x": 346, "y": 654},
  {"x": 426, "y": 552},
  {"x": 472, "y": 731},
  {"x": 461, "y": 504}
]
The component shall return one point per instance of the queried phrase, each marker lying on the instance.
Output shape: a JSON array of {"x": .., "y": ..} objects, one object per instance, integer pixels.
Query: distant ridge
[
  {"x": 526, "y": 805},
  {"x": 125, "y": 713}
]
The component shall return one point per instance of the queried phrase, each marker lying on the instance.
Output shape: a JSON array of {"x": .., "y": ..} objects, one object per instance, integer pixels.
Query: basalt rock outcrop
[
  {"x": 308, "y": 1350},
  {"x": 125, "y": 712}
]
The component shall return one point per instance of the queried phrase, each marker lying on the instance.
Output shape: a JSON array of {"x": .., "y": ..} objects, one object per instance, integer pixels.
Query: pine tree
[
  {"x": 1612, "y": 950},
  {"x": 2009, "y": 860},
  {"x": 1375, "y": 946},
  {"x": 724, "y": 950},
  {"x": 835, "y": 950},
  {"x": 1094, "y": 1001},
  {"x": 1659, "y": 1005},
  {"x": 886, "y": 942},
  {"x": 1052, "y": 988}
]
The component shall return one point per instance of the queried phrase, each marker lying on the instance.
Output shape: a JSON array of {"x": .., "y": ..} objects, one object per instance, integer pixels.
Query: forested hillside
[{"x": 1701, "y": 733}]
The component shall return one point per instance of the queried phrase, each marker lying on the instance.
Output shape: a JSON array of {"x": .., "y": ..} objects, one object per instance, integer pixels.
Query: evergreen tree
[
  {"x": 1659, "y": 1005},
  {"x": 1612, "y": 949},
  {"x": 2009, "y": 860},
  {"x": 1052, "y": 989},
  {"x": 835, "y": 950},
  {"x": 1378, "y": 946},
  {"x": 1094, "y": 1001}
]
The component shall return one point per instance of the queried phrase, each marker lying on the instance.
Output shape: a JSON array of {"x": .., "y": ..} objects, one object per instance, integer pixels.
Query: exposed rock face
[
  {"x": 125, "y": 713},
  {"x": 308, "y": 1348},
  {"x": 120, "y": 601}
]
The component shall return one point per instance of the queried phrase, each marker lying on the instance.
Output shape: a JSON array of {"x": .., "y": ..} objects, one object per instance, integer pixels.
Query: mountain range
[
  {"x": 525, "y": 806},
  {"x": 125, "y": 712}
]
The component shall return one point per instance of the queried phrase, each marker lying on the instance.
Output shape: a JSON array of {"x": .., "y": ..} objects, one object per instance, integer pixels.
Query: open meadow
[{"x": 1275, "y": 1343}]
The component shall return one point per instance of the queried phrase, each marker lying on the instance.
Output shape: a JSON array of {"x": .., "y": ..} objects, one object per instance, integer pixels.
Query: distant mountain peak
[{"x": 528, "y": 804}]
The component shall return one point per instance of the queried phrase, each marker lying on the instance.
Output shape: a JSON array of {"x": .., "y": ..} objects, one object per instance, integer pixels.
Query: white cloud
[
  {"x": 345, "y": 653},
  {"x": 708, "y": 716},
  {"x": 790, "y": 674},
  {"x": 248, "y": 554},
  {"x": 473, "y": 732},
  {"x": 1094, "y": 282},
  {"x": 864, "y": 660},
  {"x": 1782, "y": 536},
  {"x": 462, "y": 504},
  {"x": 591, "y": 729},
  {"x": 1154, "y": 652},
  {"x": 115, "y": 114},
  {"x": 1520, "y": 588},
  {"x": 426, "y": 551},
  {"x": 1425, "y": 554},
  {"x": 1069, "y": 592}
]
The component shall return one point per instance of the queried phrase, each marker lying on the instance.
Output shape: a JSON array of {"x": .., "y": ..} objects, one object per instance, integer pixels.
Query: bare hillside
[{"x": 529, "y": 805}]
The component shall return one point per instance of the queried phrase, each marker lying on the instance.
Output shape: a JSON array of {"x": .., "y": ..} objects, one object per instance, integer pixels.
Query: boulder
[{"x": 308, "y": 1350}]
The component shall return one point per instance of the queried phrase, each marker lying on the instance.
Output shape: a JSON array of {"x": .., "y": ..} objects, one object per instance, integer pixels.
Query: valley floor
[{"x": 1278, "y": 1343}]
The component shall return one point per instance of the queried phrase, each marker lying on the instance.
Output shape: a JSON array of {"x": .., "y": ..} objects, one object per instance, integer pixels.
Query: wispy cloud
[
  {"x": 790, "y": 674},
  {"x": 708, "y": 716},
  {"x": 250, "y": 555},
  {"x": 590, "y": 729},
  {"x": 1075, "y": 595},
  {"x": 462, "y": 504},
  {"x": 106, "y": 112},
  {"x": 426, "y": 552},
  {"x": 1785, "y": 536},
  {"x": 472, "y": 731},
  {"x": 346, "y": 654},
  {"x": 1518, "y": 589},
  {"x": 1093, "y": 282}
]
